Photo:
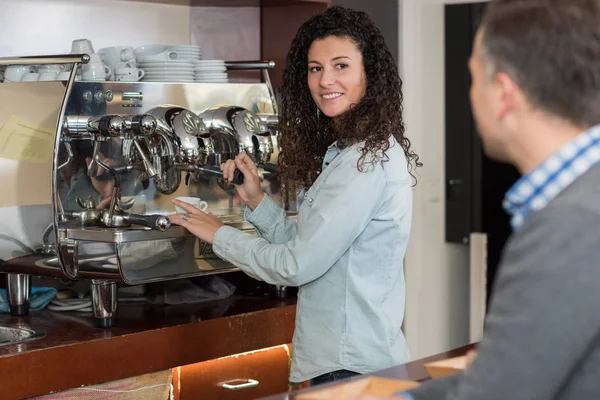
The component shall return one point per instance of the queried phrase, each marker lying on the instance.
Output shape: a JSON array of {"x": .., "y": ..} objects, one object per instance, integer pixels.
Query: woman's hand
[
  {"x": 250, "y": 191},
  {"x": 201, "y": 224}
]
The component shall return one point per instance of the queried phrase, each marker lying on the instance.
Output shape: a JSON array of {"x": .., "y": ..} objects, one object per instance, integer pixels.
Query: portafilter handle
[
  {"x": 155, "y": 222},
  {"x": 238, "y": 176}
]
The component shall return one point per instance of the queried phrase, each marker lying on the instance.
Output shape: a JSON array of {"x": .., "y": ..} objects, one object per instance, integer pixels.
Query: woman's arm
[
  {"x": 347, "y": 201},
  {"x": 270, "y": 222}
]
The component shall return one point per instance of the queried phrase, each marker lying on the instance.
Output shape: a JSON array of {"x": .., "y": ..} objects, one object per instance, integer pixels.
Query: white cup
[
  {"x": 14, "y": 73},
  {"x": 56, "y": 68},
  {"x": 96, "y": 74},
  {"x": 163, "y": 56},
  {"x": 30, "y": 77},
  {"x": 115, "y": 66},
  {"x": 117, "y": 54},
  {"x": 95, "y": 70},
  {"x": 48, "y": 76},
  {"x": 81, "y": 46},
  {"x": 195, "y": 201},
  {"x": 129, "y": 74}
]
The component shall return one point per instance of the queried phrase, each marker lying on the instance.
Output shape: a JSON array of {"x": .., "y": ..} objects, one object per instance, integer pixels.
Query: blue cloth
[
  {"x": 539, "y": 186},
  {"x": 39, "y": 299},
  {"x": 345, "y": 254}
]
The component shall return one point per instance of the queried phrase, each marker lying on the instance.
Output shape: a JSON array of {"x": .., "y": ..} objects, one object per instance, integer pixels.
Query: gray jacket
[{"x": 542, "y": 331}]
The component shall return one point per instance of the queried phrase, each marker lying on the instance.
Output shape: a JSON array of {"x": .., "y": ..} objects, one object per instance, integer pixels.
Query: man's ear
[{"x": 506, "y": 95}]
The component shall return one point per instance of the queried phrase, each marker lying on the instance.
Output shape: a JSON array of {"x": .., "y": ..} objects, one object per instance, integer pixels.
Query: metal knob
[
  {"x": 143, "y": 124},
  {"x": 115, "y": 126},
  {"x": 163, "y": 223},
  {"x": 107, "y": 125}
]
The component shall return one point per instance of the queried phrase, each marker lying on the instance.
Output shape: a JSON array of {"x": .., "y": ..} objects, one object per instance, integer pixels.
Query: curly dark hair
[{"x": 306, "y": 133}]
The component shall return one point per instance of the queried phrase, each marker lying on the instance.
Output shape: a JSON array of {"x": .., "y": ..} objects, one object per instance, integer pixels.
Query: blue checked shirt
[{"x": 538, "y": 187}]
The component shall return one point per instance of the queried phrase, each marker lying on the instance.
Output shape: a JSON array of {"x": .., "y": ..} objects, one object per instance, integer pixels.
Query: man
[{"x": 536, "y": 97}]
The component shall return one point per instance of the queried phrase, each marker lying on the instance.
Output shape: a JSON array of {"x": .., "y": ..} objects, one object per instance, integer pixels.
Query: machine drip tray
[{"x": 127, "y": 235}]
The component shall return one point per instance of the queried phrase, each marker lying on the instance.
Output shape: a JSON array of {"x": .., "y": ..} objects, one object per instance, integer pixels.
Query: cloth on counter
[
  {"x": 185, "y": 291},
  {"x": 154, "y": 386},
  {"x": 39, "y": 299}
]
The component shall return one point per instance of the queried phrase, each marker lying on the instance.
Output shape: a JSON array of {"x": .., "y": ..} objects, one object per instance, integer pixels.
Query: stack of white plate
[
  {"x": 187, "y": 52},
  {"x": 168, "y": 71},
  {"x": 211, "y": 71}
]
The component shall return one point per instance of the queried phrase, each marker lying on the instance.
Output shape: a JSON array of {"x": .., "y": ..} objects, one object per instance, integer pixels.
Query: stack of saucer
[
  {"x": 210, "y": 71},
  {"x": 187, "y": 52},
  {"x": 168, "y": 71}
]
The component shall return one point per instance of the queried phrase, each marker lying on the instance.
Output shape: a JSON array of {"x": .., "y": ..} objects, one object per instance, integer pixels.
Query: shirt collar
[
  {"x": 534, "y": 190},
  {"x": 332, "y": 152}
]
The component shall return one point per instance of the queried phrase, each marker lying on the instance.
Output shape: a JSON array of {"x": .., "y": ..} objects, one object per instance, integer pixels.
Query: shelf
[
  {"x": 253, "y": 3},
  {"x": 233, "y": 3}
]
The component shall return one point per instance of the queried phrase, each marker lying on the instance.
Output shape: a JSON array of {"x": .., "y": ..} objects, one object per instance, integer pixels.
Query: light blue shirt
[{"x": 346, "y": 256}]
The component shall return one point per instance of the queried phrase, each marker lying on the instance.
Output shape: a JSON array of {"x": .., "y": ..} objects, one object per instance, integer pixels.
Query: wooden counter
[
  {"x": 146, "y": 339},
  {"x": 412, "y": 371}
]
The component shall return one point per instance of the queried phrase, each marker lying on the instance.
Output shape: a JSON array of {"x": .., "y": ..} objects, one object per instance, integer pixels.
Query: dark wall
[
  {"x": 385, "y": 15},
  {"x": 475, "y": 184}
]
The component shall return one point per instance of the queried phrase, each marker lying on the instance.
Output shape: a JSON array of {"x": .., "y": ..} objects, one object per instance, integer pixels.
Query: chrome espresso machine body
[{"x": 94, "y": 167}]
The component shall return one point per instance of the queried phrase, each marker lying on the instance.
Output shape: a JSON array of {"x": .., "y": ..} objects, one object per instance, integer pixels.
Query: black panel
[
  {"x": 462, "y": 215},
  {"x": 475, "y": 184}
]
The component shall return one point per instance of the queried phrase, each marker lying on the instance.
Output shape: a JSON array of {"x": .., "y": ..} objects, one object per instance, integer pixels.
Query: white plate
[
  {"x": 169, "y": 77},
  {"x": 189, "y": 47},
  {"x": 211, "y": 69},
  {"x": 212, "y": 81},
  {"x": 150, "y": 73},
  {"x": 211, "y": 75},
  {"x": 169, "y": 63},
  {"x": 182, "y": 63},
  {"x": 170, "y": 80},
  {"x": 210, "y": 62},
  {"x": 167, "y": 70}
]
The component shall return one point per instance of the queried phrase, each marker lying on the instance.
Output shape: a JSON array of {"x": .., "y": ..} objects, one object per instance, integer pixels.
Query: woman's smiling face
[{"x": 336, "y": 75}]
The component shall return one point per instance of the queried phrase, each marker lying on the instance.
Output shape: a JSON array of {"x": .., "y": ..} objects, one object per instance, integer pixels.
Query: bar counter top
[
  {"x": 412, "y": 371},
  {"x": 146, "y": 338}
]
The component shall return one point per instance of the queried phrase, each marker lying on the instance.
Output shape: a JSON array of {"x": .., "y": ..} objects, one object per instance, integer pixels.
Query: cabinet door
[{"x": 244, "y": 376}]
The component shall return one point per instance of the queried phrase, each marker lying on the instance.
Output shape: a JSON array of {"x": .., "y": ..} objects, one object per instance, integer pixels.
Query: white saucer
[{"x": 177, "y": 63}]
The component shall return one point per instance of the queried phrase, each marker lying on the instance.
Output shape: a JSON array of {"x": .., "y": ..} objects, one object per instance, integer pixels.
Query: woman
[{"x": 342, "y": 137}]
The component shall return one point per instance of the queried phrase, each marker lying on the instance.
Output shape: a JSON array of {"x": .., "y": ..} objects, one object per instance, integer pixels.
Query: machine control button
[{"x": 99, "y": 96}]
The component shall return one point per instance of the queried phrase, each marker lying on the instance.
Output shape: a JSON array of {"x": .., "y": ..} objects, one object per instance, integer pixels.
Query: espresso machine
[{"x": 90, "y": 169}]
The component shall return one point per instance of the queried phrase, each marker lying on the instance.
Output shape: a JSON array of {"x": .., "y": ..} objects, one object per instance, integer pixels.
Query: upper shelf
[{"x": 235, "y": 3}]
